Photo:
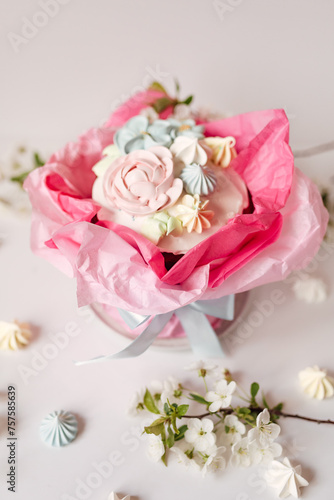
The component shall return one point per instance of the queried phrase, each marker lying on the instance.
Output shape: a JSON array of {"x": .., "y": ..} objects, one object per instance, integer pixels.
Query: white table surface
[
  {"x": 292, "y": 338},
  {"x": 66, "y": 79}
]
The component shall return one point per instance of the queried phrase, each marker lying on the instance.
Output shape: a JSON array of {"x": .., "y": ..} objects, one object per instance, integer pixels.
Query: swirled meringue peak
[
  {"x": 14, "y": 336},
  {"x": 59, "y": 428},
  {"x": 316, "y": 383},
  {"x": 198, "y": 180}
]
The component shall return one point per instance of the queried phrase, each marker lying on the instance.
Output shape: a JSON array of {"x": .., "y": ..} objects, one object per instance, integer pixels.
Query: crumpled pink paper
[{"x": 116, "y": 266}]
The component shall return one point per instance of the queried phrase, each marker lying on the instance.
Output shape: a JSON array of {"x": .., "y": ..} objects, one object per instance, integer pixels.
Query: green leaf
[
  {"x": 177, "y": 86},
  {"x": 173, "y": 422},
  {"x": 264, "y": 401},
  {"x": 278, "y": 407},
  {"x": 182, "y": 431},
  {"x": 182, "y": 410},
  {"x": 167, "y": 410},
  {"x": 188, "y": 100},
  {"x": 199, "y": 399},
  {"x": 162, "y": 103},
  {"x": 38, "y": 161},
  {"x": 243, "y": 410},
  {"x": 170, "y": 438},
  {"x": 157, "y": 86},
  {"x": 149, "y": 403},
  {"x": 20, "y": 178},
  {"x": 154, "y": 429},
  {"x": 227, "y": 429},
  {"x": 254, "y": 390}
]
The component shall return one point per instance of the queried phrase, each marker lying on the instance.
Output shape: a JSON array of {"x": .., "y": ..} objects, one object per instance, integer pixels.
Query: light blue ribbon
[{"x": 201, "y": 335}]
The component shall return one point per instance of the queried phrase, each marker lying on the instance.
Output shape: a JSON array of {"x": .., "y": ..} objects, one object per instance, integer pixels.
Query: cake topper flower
[
  {"x": 140, "y": 183},
  {"x": 187, "y": 128},
  {"x": 193, "y": 214},
  {"x": 138, "y": 133}
]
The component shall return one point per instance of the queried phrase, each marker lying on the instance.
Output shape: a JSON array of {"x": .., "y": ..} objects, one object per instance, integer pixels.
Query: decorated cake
[
  {"x": 168, "y": 182},
  {"x": 163, "y": 215}
]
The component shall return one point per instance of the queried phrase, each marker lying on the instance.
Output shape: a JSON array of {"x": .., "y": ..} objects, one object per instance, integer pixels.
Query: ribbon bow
[{"x": 201, "y": 335}]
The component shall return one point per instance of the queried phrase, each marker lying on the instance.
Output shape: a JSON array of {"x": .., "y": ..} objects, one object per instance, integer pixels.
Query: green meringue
[{"x": 161, "y": 224}]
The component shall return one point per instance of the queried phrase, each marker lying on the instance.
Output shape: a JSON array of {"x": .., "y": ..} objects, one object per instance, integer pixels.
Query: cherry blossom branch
[{"x": 258, "y": 409}]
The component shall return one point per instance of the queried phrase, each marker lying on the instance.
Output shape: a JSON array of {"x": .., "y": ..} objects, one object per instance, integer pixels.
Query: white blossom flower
[
  {"x": 206, "y": 115},
  {"x": 316, "y": 383},
  {"x": 182, "y": 112},
  {"x": 185, "y": 454},
  {"x": 213, "y": 460},
  {"x": 136, "y": 405},
  {"x": 265, "y": 432},
  {"x": 285, "y": 478},
  {"x": 231, "y": 430},
  {"x": 172, "y": 391},
  {"x": 18, "y": 159},
  {"x": 156, "y": 448},
  {"x": 264, "y": 455},
  {"x": 221, "y": 397},
  {"x": 200, "y": 434},
  {"x": 13, "y": 199},
  {"x": 240, "y": 453},
  {"x": 310, "y": 290},
  {"x": 203, "y": 368},
  {"x": 150, "y": 114}
]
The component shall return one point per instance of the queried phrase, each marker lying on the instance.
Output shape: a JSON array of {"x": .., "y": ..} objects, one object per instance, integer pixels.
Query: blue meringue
[
  {"x": 198, "y": 180},
  {"x": 59, "y": 428}
]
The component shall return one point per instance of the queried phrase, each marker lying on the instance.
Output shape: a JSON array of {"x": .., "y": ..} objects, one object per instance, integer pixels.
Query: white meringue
[
  {"x": 310, "y": 290},
  {"x": 316, "y": 383},
  {"x": 14, "y": 336},
  {"x": 190, "y": 150},
  {"x": 192, "y": 213},
  {"x": 287, "y": 480},
  {"x": 223, "y": 150},
  {"x": 113, "y": 496}
]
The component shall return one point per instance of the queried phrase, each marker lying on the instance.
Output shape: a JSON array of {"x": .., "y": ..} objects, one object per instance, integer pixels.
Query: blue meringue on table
[
  {"x": 198, "y": 180},
  {"x": 59, "y": 428}
]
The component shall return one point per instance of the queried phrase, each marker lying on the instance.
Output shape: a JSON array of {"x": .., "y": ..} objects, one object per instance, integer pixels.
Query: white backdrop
[{"x": 65, "y": 76}]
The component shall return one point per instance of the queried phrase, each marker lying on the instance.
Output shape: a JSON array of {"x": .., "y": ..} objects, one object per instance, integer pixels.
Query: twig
[{"x": 228, "y": 411}]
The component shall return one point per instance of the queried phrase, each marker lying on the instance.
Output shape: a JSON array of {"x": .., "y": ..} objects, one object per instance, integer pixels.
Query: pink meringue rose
[{"x": 142, "y": 182}]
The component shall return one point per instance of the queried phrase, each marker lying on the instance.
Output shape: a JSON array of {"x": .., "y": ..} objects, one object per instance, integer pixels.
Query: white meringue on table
[
  {"x": 310, "y": 290},
  {"x": 14, "y": 336},
  {"x": 287, "y": 480},
  {"x": 316, "y": 383},
  {"x": 113, "y": 496}
]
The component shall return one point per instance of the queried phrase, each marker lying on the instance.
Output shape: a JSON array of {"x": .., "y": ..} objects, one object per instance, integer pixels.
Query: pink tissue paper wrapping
[{"x": 117, "y": 267}]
